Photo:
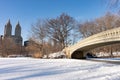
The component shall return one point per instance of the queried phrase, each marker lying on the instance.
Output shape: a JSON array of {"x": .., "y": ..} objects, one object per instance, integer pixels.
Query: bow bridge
[{"x": 80, "y": 49}]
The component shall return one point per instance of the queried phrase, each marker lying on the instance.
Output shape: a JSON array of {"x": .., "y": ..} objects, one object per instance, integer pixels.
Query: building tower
[
  {"x": 18, "y": 37},
  {"x": 8, "y": 29},
  {"x": 18, "y": 30}
]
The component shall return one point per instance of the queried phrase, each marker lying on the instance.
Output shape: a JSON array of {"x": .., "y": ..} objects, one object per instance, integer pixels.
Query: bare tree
[
  {"x": 106, "y": 22},
  {"x": 39, "y": 31},
  {"x": 87, "y": 29},
  {"x": 39, "y": 35},
  {"x": 34, "y": 48},
  {"x": 59, "y": 29},
  {"x": 9, "y": 47}
]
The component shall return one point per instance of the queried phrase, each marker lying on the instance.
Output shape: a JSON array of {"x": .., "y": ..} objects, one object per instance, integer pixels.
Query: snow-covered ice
[{"x": 56, "y": 69}]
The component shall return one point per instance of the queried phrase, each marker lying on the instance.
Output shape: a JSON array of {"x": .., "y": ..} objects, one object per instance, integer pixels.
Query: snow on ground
[
  {"x": 57, "y": 55},
  {"x": 106, "y": 59},
  {"x": 56, "y": 69}
]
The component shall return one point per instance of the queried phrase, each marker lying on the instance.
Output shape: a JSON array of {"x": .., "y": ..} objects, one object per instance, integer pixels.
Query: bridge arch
[
  {"x": 80, "y": 53},
  {"x": 77, "y": 55}
]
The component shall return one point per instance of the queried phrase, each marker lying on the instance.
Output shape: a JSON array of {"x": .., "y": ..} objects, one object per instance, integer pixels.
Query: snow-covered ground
[{"x": 56, "y": 69}]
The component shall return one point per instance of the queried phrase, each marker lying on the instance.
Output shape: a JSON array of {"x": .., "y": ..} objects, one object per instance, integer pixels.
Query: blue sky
[{"x": 28, "y": 11}]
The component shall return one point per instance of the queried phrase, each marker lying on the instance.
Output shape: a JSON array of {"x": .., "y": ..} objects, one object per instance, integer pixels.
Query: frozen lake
[{"x": 56, "y": 69}]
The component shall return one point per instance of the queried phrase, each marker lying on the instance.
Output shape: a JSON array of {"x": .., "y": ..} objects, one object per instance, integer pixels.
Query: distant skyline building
[{"x": 16, "y": 38}]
